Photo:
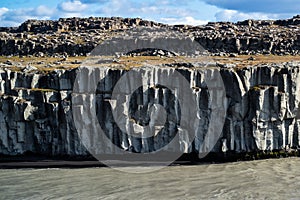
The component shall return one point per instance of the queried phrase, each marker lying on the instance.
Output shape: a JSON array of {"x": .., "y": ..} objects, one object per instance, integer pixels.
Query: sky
[{"x": 193, "y": 12}]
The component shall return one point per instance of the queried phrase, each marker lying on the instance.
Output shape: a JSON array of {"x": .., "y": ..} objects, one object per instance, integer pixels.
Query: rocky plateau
[{"x": 258, "y": 62}]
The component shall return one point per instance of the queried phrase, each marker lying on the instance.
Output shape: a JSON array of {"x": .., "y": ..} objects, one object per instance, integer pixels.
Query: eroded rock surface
[
  {"x": 37, "y": 96},
  {"x": 261, "y": 104},
  {"x": 78, "y": 36}
]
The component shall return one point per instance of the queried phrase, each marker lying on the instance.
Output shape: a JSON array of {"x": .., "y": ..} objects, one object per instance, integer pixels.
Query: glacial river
[{"x": 264, "y": 179}]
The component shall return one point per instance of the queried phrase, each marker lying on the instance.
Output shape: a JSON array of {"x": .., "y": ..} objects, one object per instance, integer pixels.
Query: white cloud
[
  {"x": 14, "y": 17},
  {"x": 146, "y": 9},
  {"x": 183, "y": 20},
  {"x": 72, "y": 6},
  {"x": 3, "y": 10},
  {"x": 166, "y": 11},
  {"x": 94, "y": 1},
  {"x": 233, "y": 16},
  {"x": 260, "y": 6},
  {"x": 72, "y": 14},
  {"x": 44, "y": 11}
]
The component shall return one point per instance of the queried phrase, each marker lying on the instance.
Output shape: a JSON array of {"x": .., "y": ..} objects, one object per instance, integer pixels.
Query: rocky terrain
[
  {"x": 258, "y": 62},
  {"x": 78, "y": 36},
  {"x": 261, "y": 104}
]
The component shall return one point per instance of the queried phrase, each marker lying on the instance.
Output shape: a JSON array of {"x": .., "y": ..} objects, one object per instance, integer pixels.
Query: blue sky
[{"x": 194, "y": 12}]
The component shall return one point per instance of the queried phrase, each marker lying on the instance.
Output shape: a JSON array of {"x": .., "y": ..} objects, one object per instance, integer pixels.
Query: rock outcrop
[
  {"x": 261, "y": 104},
  {"x": 37, "y": 98},
  {"x": 78, "y": 36}
]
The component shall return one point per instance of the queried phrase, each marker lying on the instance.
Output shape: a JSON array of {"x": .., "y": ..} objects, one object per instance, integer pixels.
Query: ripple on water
[{"x": 270, "y": 179}]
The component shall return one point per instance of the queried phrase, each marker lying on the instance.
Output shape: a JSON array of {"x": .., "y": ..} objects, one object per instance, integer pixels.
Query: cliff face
[
  {"x": 40, "y": 106},
  {"x": 261, "y": 104}
]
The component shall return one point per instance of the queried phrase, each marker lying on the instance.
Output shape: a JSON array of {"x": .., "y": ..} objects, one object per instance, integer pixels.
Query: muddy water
[{"x": 264, "y": 179}]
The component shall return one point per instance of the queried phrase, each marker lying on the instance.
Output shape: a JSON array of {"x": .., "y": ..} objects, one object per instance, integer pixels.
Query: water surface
[{"x": 264, "y": 179}]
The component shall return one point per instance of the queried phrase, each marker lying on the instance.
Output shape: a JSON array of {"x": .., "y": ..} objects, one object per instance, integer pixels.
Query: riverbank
[{"x": 40, "y": 162}]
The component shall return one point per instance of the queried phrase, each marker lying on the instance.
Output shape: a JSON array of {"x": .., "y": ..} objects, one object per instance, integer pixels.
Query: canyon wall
[
  {"x": 261, "y": 103},
  {"x": 38, "y": 105}
]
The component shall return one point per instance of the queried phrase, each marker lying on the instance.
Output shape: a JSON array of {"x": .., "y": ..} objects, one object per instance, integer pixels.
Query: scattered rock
[
  {"x": 76, "y": 62},
  {"x": 79, "y": 36},
  {"x": 29, "y": 68},
  {"x": 151, "y": 52},
  {"x": 251, "y": 58},
  {"x": 8, "y": 62}
]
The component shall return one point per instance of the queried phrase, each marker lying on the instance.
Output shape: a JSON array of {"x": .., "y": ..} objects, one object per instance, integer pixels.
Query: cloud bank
[
  {"x": 192, "y": 12},
  {"x": 165, "y": 11},
  {"x": 72, "y": 6},
  {"x": 259, "y": 6},
  {"x": 234, "y": 16}
]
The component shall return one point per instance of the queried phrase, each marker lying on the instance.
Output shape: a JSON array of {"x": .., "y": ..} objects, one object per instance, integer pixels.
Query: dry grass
[
  {"x": 43, "y": 90},
  {"x": 139, "y": 61},
  {"x": 128, "y": 62},
  {"x": 79, "y": 40},
  {"x": 48, "y": 64},
  {"x": 244, "y": 61},
  {"x": 240, "y": 61},
  {"x": 43, "y": 64}
]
